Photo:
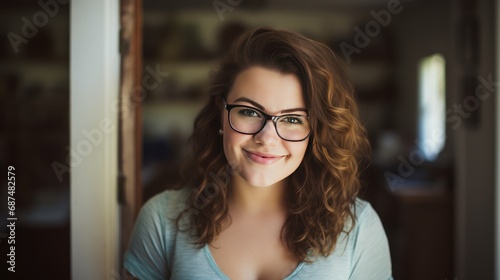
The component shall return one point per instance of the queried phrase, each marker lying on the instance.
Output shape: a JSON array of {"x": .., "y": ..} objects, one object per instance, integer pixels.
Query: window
[{"x": 432, "y": 115}]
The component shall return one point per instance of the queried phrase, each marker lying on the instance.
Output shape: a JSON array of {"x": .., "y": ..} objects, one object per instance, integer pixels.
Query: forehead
[{"x": 271, "y": 89}]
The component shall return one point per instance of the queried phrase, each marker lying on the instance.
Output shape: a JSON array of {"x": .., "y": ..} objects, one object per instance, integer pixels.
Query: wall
[
  {"x": 475, "y": 173},
  {"x": 497, "y": 146}
]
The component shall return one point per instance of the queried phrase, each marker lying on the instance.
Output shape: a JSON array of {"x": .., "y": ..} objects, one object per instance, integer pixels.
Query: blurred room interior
[{"x": 414, "y": 63}]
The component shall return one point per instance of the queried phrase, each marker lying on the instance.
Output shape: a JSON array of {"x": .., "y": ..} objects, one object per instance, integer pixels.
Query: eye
[
  {"x": 246, "y": 112},
  {"x": 293, "y": 119}
]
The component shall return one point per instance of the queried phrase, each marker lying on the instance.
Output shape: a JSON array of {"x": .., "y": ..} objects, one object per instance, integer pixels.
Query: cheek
[
  {"x": 231, "y": 141},
  {"x": 298, "y": 150}
]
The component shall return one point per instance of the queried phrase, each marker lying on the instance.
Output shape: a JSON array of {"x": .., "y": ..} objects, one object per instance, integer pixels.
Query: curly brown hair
[{"x": 322, "y": 191}]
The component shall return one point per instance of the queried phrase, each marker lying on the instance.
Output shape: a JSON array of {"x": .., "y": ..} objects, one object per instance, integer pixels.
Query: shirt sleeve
[
  {"x": 371, "y": 257},
  {"x": 146, "y": 256}
]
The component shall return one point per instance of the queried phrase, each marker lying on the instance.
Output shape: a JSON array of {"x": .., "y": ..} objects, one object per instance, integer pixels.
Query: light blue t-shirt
[{"x": 157, "y": 250}]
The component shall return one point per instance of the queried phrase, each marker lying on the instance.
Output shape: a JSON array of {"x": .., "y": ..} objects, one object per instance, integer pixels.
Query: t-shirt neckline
[{"x": 218, "y": 271}]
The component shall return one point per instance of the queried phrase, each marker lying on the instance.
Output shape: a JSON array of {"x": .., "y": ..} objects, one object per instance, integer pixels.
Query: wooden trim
[{"x": 130, "y": 142}]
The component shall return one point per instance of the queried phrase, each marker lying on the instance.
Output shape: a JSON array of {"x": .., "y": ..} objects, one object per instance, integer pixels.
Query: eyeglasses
[{"x": 249, "y": 120}]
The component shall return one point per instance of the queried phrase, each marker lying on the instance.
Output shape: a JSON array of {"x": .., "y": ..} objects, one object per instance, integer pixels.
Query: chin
[{"x": 261, "y": 181}]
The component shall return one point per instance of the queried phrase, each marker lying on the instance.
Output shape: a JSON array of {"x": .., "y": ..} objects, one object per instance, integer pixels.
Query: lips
[{"x": 262, "y": 158}]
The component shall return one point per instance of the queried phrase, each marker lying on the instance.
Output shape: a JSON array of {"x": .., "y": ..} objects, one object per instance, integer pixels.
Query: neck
[{"x": 249, "y": 199}]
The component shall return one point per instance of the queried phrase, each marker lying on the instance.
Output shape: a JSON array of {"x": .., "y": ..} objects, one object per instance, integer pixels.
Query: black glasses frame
[{"x": 274, "y": 119}]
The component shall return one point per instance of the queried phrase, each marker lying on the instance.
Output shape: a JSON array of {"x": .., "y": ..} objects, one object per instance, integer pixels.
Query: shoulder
[
  {"x": 149, "y": 254},
  {"x": 367, "y": 223},
  {"x": 363, "y": 214},
  {"x": 158, "y": 214},
  {"x": 361, "y": 252},
  {"x": 370, "y": 248},
  {"x": 163, "y": 208},
  {"x": 169, "y": 202},
  {"x": 363, "y": 210}
]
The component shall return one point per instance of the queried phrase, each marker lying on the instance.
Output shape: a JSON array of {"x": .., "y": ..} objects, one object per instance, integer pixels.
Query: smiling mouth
[{"x": 262, "y": 158}]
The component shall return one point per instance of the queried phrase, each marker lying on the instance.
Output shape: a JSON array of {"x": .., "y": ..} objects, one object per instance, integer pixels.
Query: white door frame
[{"x": 94, "y": 86}]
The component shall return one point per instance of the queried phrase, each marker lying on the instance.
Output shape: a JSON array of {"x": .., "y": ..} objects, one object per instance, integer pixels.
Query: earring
[{"x": 221, "y": 131}]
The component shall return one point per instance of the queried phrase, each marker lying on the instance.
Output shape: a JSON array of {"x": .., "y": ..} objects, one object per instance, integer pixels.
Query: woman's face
[{"x": 264, "y": 159}]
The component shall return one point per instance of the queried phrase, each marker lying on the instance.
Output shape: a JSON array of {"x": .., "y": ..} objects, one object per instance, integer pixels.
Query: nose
[{"x": 268, "y": 134}]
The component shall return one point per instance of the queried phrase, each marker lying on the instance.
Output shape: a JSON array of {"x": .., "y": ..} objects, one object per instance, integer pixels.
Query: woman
[{"x": 272, "y": 183}]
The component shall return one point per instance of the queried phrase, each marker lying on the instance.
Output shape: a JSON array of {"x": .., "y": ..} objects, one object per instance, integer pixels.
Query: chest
[
  {"x": 251, "y": 250},
  {"x": 186, "y": 262}
]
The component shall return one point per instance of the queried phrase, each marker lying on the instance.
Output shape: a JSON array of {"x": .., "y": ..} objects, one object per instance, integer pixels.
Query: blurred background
[
  {"x": 422, "y": 71},
  {"x": 34, "y": 133}
]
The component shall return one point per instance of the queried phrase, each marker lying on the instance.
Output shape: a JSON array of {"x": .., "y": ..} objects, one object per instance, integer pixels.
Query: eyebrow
[{"x": 244, "y": 99}]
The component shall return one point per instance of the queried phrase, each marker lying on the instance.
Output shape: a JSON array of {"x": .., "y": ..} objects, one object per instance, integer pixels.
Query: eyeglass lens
[{"x": 292, "y": 127}]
